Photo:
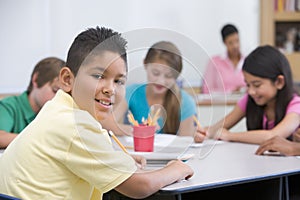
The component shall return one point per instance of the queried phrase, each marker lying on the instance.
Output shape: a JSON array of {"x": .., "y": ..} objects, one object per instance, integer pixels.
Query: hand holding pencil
[{"x": 200, "y": 133}]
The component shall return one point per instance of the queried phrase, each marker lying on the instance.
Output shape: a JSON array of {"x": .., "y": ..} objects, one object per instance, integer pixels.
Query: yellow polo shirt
[{"x": 63, "y": 154}]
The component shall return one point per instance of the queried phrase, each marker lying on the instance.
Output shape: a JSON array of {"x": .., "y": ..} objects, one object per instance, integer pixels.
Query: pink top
[
  {"x": 222, "y": 76},
  {"x": 293, "y": 106}
]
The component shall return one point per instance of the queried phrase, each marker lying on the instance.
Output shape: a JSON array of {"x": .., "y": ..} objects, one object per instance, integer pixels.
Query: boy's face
[
  {"x": 99, "y": 84},
  {"x": 40, "y": 95}
]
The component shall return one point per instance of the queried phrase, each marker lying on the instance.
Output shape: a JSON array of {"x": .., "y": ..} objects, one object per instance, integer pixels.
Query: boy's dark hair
[
  {"x": 268, "y": 62},
  {"x": 228, "y": 29},
  {"x": 48, "y": 69},
  {"x": 96, "y": 41}
]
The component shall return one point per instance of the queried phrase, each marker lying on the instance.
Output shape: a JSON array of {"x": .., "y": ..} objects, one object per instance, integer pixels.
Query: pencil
[
  {"x": 111, "y": 134},
  {"x": 131, "y": 119},
  {"x": 156, "y": 116},
  {"x": 196, "y": 121}
]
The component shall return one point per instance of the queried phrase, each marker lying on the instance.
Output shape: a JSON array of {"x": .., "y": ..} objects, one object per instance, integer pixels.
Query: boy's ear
[
  {"x": 280, "y": 82},
  {"x": 66, "y": 78},
  {"x": 34, "y": 79}
]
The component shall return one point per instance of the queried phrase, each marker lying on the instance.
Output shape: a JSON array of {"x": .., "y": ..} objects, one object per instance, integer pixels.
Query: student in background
[
  {"x": 163, "y": 64},
  {"x": 271, "y": 106},
  {"x": 223, "y": 73},
  {"x": 65, "y": 153},
  {"x": 16, "y": 112}
]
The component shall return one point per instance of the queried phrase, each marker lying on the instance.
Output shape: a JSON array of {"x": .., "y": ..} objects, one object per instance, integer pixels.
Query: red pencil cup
[{"x": 143, "y": 138}]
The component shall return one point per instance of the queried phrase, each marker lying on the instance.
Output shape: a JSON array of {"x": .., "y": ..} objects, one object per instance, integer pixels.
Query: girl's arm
[
  {"x": 284, "y": 129},
  {"x": 144, "y": 183},
  {"x": 115, "y": 119},
  {"x": 187, "y": 127},
  {"x": 227, "y": 122}
]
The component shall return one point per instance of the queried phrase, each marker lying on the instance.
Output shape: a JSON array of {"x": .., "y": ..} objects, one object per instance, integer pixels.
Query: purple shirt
[
  {"x": 222, "y": 76},
  {"x": 293, "y": 106}
]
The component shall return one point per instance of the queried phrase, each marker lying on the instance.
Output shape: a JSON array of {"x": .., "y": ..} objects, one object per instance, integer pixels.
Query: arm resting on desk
[
  {"x": 281, "y": 145},
  {"x": 142, "y": 184},
  {"x": 6, "y": 138}
]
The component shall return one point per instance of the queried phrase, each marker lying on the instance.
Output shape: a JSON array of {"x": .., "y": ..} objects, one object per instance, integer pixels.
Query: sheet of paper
[{"x": 207, "y": 142}]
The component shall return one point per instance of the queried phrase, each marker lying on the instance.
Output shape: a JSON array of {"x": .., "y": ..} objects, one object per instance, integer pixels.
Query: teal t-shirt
[
  {"x": 15, "y": 113},
  {"x": 138, "y": 104}
]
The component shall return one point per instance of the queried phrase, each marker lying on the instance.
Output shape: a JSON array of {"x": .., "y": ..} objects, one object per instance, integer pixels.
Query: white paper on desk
[
  {"x": 202, "y": 150},
  {"x": 163, "y": 156},
  {"x": 166, "y": 143},
  {"x": 158, "y": 160},
  {"x": 207, "y": 142},
  {"x": 172, "y": 144}
]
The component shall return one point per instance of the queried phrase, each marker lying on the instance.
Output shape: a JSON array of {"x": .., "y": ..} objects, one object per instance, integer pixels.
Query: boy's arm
[
  {"x": 6, "y": 138},
  {"x": 143, "y": 184}
]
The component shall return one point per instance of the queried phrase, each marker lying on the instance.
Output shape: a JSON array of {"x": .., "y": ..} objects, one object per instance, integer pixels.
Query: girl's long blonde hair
[{"x": 169, "y": 53}]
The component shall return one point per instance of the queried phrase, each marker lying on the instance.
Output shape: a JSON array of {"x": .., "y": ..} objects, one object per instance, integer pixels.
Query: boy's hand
[
  {"x": 184, "y": 171},
  {"x": 140, "y": 161}
]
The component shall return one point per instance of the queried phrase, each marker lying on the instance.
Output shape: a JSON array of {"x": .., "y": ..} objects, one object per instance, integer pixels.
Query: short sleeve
[
  {"x": 91, "y": 156},
  {"x": 188, "y": 106},
  {"x": 6, "y": 118},
  {"x": 242, "y": 103},
  {"x": 294, "y": 105}
]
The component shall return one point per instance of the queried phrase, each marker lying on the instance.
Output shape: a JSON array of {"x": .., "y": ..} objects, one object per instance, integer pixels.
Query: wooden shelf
[
  {"x": 294, "y": 60},
  {"x": 269, "y": 19},
  {"x": 287, "y": 16}
]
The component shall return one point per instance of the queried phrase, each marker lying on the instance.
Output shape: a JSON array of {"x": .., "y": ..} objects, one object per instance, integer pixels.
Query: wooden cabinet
[{"x": 273, "y": 23}]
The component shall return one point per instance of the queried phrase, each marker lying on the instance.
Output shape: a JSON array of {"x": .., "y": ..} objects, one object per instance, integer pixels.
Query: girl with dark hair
[
  {"x": 270, "y": 106},
  {"x": 163, "y": 64}
]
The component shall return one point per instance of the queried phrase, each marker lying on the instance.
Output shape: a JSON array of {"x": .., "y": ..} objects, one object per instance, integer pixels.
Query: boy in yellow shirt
[{"x": 65, "y": 153}]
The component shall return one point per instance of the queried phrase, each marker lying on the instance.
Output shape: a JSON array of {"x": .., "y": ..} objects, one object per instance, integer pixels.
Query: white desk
[
  {"x": 230, "y": 164},
  {"x": 234, "y": 164}
]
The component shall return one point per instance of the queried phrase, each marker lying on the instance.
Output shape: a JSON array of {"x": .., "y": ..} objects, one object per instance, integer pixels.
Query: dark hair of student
[
  {"x": 48, "y": 69},
  {"x": 228, "y": 29},
  {"x": 268, "y": 62},
  {"x": 95, "y": 41},
  {"x": 169, "y": 53}
]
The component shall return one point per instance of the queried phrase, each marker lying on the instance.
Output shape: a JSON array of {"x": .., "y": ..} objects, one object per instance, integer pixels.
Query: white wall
[{"x": 33, "y": 29}]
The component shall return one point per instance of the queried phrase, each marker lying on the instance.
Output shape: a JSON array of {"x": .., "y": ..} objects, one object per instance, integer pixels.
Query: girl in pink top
[{"x": 271, "y": 107}]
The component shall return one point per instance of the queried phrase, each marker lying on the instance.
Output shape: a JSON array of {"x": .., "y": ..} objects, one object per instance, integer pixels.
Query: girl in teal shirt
[{"x": 163, "y": 65}]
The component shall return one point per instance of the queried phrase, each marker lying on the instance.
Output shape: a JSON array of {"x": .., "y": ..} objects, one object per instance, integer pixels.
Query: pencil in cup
[
  {"x": 131, "y": 119},
  {"x": 155, "y": 118}
]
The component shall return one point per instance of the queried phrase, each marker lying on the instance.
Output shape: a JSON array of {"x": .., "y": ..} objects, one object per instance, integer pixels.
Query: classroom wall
[{"x": 34, "y": 29}]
